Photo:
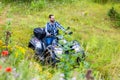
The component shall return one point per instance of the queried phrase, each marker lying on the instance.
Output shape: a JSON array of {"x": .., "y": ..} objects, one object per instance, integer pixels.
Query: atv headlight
[
  {"x": 62, "y": 42},
  {"x": 58, "y": 51},
  {"x": 38, "y": 45},
  {"x": 76, "y": 48}
]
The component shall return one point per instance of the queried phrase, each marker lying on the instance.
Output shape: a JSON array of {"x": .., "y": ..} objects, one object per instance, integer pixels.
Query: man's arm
[
  {"x": 59, "y": 26},
  {"x": 46, "y": 29}
]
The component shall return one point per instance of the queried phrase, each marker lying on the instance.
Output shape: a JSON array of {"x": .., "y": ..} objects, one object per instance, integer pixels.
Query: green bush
[
  {"x": 114, "y": 16},
  {"x": 65, "y": 1},
  {"x": 8, "y": 1},
  {"x": 100, "y": 1},
  {"x": 37, "y": 5},
  {"x": 105, "y": 1}
]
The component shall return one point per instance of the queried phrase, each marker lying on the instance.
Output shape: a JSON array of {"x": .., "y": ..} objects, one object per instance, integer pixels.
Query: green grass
[{"x": 90, "y": 24}]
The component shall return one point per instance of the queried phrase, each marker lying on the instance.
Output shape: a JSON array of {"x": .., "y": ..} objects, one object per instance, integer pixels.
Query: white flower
[
  {"x": 62, "y": 75},
  {"x": 61, "y": 79},
  {"x": 14, "y": 73},
  {"x": 74, "y": 78}
]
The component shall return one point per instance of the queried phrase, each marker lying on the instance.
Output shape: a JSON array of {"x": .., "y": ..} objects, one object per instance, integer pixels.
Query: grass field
[{"x": 91, "y": 26}]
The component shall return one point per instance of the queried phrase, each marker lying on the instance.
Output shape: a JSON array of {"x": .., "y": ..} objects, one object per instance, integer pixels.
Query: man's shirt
[{"x": 52, "y": 28}]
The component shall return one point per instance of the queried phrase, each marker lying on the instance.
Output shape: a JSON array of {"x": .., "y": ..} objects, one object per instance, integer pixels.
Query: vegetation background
[{"x": 93, "y": 27}]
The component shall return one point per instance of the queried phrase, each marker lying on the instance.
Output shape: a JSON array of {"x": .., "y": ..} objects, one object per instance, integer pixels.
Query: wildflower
[
  {"x": 34, "y": 79},
  {"x": 62, "y": 75},
  {"x": 74, "y": 78},
  {"x": 14, "y": 73},
  {"x": 38, "y": 67},
  {"x": 8, "y": 69},
  {"x": 1, "y": 42},
  {"x": 6, "y": 47},
  {"x": 61, "y": 79},
  {"x": 4, "y": 53},
  {"x": 16, "y": 54},
  {"x": 0, "y": 67},
  {"x": 21, "y": 49},
  {"x": 2, "y": 59},
  {"x": 49, "y": 75}
]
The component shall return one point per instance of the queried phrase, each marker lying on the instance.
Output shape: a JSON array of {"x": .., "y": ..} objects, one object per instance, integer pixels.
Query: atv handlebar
[{"x": 68, "y": 32}]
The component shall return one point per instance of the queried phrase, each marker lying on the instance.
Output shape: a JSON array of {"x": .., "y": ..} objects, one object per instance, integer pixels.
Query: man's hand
[
  {"x": 48, "y": 34},
  {"x": 68, "y": 32}
]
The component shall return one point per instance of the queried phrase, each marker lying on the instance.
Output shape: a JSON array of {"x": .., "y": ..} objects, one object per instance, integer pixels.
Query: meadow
[{"x": 90, "y": 24}]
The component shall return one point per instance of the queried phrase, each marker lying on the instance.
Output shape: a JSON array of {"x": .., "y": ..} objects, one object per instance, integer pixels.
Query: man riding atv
[
  {"x": 51, "y": 30},
  {"x": 49, "y": 46},
  {"x": 52, "y": 26}
]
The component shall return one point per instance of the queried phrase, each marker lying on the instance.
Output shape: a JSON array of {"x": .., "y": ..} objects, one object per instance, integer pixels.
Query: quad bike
[{"x": 49, "y": 49}]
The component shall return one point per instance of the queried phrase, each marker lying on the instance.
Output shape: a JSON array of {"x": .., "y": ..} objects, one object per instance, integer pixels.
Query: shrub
[
  {"x": 8, "y": 1},
  {"x": 105, "y": 1},
  {"x": 37, "y": 5},
  {"x": 100, "y": 1},
  {"x": 114, "y": 16}
]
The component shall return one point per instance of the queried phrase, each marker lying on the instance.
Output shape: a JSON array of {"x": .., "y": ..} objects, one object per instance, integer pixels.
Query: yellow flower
[
  {"x": 1, "y": 43},
  {"x": 11, "y": 49},
  {"x": 49, "y": 75},
  {"x": 21, "y": 49},
  {"x": 16, "y": 46},
  {"x": 4, "y": 47},
  {"x": 38, "y": 67},
  {"x": 16, "y": 54}
]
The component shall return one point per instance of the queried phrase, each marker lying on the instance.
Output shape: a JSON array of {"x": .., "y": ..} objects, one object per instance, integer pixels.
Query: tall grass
[
  {"x": 90, "y": 25},
  {"x": 105, "y": 1}
]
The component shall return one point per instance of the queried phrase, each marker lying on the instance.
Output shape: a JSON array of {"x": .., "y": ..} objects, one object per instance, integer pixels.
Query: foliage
[
  {"x": 100, "y": 1},
  {"x": 9, "y": 1},
  {"x": 90, "y": 27},
  {"x": 105, "y": 1},
  {"x": 115, "y": 16},
  {"x": 37, "y": 5},
  {"x": 68, "y": 63}
]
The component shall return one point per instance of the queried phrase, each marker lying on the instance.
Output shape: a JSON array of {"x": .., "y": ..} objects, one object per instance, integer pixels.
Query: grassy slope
[{"x": 89, "y": 22}]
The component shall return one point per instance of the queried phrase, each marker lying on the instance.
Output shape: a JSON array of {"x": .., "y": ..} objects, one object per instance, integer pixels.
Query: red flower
[
  {"x": 0, "y": 67},
  {"x": 4, "y": 53},
  {"x": 8, "y": 69}
]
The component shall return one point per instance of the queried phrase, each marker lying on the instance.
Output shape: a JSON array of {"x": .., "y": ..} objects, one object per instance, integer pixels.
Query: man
[
  {"x": 52, "y": 26},
  {"x": 51, "y": 30}
]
